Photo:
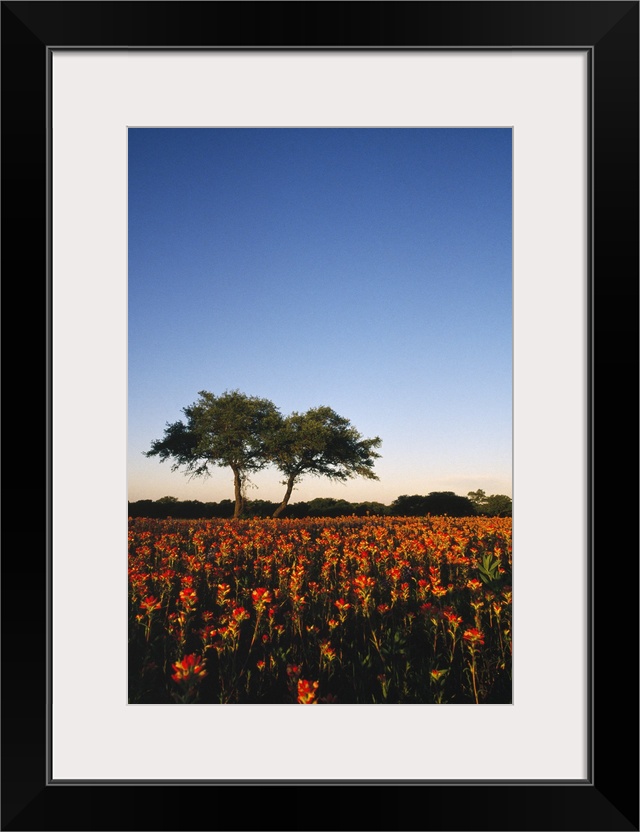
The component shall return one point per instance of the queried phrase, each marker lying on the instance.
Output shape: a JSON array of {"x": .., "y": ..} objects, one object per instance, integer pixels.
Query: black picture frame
[{"x": 608, "y": 798}]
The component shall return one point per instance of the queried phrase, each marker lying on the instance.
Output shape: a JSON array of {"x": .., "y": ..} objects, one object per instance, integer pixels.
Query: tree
[
  {"x": 414, "y": 505},
  {"x": 499, "y": 505},
  {"x": 479, "y": 500},
  {"x": 321, "y": 443},
  {"x": 259, "y": 508},
  {"x": 446, "y": 502},
  {"x": 436, "y": 503},
  {"x": 230, "y": 430},
  {"x": 495, "y": 505},
  {"x": 370, "y": 508},
  {"x": 329, "y": 507}
]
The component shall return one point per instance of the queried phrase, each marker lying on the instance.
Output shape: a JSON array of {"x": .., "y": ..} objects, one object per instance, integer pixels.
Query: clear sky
[{"x": 369, "y": 270}]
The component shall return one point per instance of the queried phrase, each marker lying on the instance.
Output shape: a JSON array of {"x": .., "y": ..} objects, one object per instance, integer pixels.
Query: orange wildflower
[
  {"x": 188, "y": 597},
  {"x": 451, "y": 617},
  {"x": 307, "y": 692},
  {"x": 261, "y": 597},
  {"x": 327, "y": 650},
  {"x": 189, "y": 669},
  {"x": 473, "y": 636}
]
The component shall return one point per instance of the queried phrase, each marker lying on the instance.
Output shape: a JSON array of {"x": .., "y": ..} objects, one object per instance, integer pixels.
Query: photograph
[
  {"x": 319, "y": 347},
  {"x": 335, "y": 296}
]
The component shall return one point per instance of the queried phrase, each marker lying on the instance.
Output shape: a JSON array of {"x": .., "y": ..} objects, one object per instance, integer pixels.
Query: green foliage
[
  {"x": 322, "y": 443},
  {"x": 495, "y": 505},
  {"x": 479, "y": 500},
  {"x": 246, "y": 433},
  {"x": 259, "y": 508},
  {"x": 499, "y": 505},
  {"x": 229, "y": 430},
  {"x": 489, "y": 569},
  {"x": 182, "y": 509},
  {"x": 436, "y": 503},
  {"x": 409, "y": 506},
  {"x": 318, "y": 507},
  {"x": 328, "y": 507}
]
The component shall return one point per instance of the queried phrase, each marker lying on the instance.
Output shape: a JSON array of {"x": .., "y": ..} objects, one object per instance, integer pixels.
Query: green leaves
[
  {"x": 247, "y": 433},
  {"x": 227, "y": 430},
  {"x": 322, "y": 443},
  {"x": 489, "y": 571},
  {"x": 494, "y": 505}
]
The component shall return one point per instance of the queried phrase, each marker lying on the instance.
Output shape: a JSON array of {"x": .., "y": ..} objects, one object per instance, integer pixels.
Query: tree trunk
[
  {"x": 285, "y": 502},
  {"x": 237, "y": 485}
]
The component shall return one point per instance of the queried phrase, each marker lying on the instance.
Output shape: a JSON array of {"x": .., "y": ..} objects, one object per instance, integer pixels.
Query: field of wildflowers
[{"x": 348, "y": 610}]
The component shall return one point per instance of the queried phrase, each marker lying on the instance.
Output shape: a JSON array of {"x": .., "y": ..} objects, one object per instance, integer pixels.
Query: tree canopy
[
  {"x": 494, "y": 505},
  {"x": 321, "y": 443},
  {"x": 246, "y": 434},
  {"x": 436, "y": 503},
  {"x": 229, "y": 430}
]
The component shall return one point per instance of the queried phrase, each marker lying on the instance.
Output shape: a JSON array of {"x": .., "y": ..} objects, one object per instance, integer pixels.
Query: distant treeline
[{"x": 436, "y": 503}]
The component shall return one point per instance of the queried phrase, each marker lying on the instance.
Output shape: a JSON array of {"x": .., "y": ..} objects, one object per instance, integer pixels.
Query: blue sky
[{"x": 369, "y": 270}]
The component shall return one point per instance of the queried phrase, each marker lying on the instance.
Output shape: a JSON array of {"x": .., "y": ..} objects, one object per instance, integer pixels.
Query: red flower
[
  {"x": 473, "y": 636},
  {"x": 307, "y": 692},
  {"x": 261, "y": 597},
  {"x": 189, "y": 669},
  {"x": 150, "y": 603},
  {"x": 451, "y": 616},
  {"x": 188, "y": 597},
  {"x": 327, "y": 650}
]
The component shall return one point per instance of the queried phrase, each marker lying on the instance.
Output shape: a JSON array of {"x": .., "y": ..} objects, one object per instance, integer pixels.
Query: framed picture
[{"x": 563, "y": 77}]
